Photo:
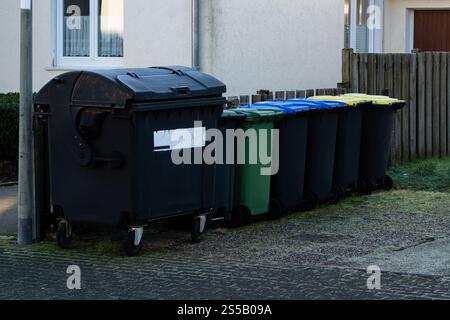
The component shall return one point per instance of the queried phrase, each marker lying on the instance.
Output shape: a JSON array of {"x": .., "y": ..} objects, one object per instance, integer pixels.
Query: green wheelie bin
[{"x": 253, "y": 178}]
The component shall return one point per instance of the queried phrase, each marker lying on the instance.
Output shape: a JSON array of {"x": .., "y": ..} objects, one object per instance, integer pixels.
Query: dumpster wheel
[
  {"x": 131, "y": 248},
  {"x": 241, "y": 217},
  {"x": 276, "y": 209},
  {"x": 64, "y": 234},
  {"x": 388, "y": 183},
  {"x": 197, "y": 228}
]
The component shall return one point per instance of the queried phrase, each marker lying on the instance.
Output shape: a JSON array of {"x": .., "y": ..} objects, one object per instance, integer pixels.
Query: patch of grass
[
  {"x": 107, "y": 247},
  {"x": 406, "y": 201},
  {"x": 7, "y": 238},
  {"x": 423, "y": 175}
]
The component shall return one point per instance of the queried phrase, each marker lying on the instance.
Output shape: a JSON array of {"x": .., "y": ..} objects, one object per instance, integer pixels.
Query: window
[
  {"x": 364, "y": 25},
  {"x": 89, "y": 33}
]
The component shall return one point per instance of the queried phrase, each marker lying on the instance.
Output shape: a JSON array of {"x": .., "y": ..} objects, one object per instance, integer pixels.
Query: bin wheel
[
  {"x": 196, "y": 232},
  {"x": 276, "y": 209},
  {"x": 241, "y": 217},
  {"x": 354, "y": 188},
  {"x": 131, "y": 249},
  {"x": 388, "y": 183},
  {"x": 337, "y": 195},
  {"x": 364, "y": 188},
  {"x": 311, "y": 201},
  {"x": 64, "y": 235}
]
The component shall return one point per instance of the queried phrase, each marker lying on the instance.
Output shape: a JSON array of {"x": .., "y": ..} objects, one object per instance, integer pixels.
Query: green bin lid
[
  {"x": 255, "y": 115},
  {"x": 231, "y": 114}
]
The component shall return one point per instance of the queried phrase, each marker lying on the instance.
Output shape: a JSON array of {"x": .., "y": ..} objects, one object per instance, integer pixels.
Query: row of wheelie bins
[
  {"x": 125, "y": 148},
  {"x": 328, "y": 146}
]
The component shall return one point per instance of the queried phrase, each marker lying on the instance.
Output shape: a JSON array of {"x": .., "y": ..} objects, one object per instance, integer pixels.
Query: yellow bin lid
[
  {"x": 349, "y": 100},
  {"x": 377, "y": 100}
]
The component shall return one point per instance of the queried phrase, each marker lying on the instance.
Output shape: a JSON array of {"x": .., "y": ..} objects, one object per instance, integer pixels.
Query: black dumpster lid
[{"x": 117, "y": 86}]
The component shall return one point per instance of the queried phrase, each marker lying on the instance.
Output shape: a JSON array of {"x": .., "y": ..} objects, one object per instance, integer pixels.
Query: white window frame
[
  {"x": 73, "y": 62},
  {"x": 376, "y": 37},
  {"x": 409, "y": 45}
]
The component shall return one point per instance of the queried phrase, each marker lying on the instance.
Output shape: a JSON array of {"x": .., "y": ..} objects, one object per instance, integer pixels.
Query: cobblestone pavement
[
  {"x": 41, "y": 274},
  {"x": 317, "y": 255}
]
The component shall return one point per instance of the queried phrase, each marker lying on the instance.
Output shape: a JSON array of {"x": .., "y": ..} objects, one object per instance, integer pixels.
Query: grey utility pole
[{"x": 25, "y": 196}]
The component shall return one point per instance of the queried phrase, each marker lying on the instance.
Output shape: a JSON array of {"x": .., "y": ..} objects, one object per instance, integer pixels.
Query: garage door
[{"x": 432, "y": 30}]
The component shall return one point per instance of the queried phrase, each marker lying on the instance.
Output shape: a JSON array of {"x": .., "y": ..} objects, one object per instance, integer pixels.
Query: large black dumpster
[{"x": 112, "y": 134}]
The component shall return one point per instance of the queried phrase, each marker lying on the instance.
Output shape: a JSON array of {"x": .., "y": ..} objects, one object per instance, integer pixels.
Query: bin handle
[
  {"x": 175, "y": 71},
  {"x": 181, "y": 90},
  {"x": 84, "y": 153}
]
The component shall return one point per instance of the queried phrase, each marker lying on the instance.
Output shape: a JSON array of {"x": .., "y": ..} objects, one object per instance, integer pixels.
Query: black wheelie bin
[
  {"x": 226, "y": 170},
  {"x": 377, "y": 128},
  {"x": 116, "y": 138},
  {"x": 287, "y": 185},
  {"x": 320, "y": 154},
  {"x": 348, "y": 143}
]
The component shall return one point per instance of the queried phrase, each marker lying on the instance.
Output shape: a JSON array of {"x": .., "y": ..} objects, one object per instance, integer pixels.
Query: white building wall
[
  {"x": 248, "y": 44},
  {"x": 273, "y": 44},
  {"x": 396, "y": 30},
  {"x": 158, "y": 32}
]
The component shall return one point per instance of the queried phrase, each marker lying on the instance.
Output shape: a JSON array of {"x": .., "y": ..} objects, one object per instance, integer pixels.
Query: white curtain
[
  {"x": 110, "y": 44},
  {"x": 110, "y": 33},
  {"x": 76, "y": 39},
  {"x": 111, "y": 28}
]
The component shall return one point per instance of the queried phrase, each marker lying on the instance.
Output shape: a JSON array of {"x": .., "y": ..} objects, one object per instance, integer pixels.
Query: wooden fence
[
  {"x": 422, "y": 129},
  {"x": 267, "y": 95}
]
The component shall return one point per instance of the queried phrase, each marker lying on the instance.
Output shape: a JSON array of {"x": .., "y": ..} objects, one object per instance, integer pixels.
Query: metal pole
[
  {"x": 196, "y": 34},
  {"x": 25, "y": 196}
]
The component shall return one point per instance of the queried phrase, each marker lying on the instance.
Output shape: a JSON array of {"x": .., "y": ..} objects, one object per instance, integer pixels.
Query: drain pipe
[{"x": 196, "y": 34}]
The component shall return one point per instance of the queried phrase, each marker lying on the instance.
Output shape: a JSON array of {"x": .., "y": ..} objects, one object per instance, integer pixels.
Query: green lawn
[{"x": 423, "y": 175}]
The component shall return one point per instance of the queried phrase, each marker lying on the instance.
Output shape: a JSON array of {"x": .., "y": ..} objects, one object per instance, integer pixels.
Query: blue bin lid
[{"x": 319, "y": 104}]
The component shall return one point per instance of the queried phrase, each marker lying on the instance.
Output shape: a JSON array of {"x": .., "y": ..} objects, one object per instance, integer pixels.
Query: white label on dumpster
[{"x": 177, "y": 139}]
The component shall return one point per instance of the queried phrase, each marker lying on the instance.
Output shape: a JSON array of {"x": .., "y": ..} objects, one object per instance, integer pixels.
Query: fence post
[
  {"x": 265, "y": 94},
  {"x": 256, "y": 98},
  {"x": 290, "y": 94},
  {"x": 443, "y": 104},
  {"x": 346, "y": 67},
  {"x": 279, "y": 95},
  {"x": 244, "y": 100},
  {"x": 300, "y": 94},
  {"x": 232, "y": 102},
  {"x": 309, "y": 93}
]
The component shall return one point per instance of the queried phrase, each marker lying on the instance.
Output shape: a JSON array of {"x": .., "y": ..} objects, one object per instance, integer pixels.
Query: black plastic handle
[{"x": 182, "y": 90}]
